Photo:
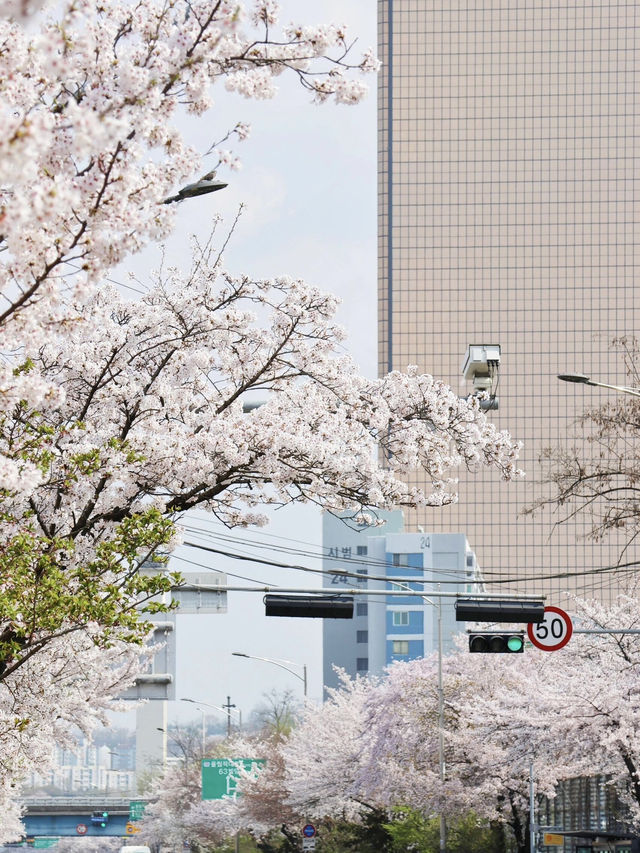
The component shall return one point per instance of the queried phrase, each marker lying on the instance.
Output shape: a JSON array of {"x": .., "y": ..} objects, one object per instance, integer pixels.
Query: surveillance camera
[
  {"x": 480, "y": 360},
  {"x": 480, "y": 365}
]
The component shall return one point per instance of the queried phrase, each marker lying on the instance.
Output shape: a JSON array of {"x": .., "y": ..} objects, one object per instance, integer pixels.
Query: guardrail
[{"x": 73, "y": 805}]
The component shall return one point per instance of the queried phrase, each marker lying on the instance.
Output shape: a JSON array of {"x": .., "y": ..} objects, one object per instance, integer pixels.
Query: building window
[
  {"x": 400, "y": 618},
  {"x": 362, "y": 609},
  {"x": 362, "y": 550},
  {"x": 400, "y": 559},
  {"x": 400, "y": 647},
  {"x": 362, "y": 636},
  {"x": 362, "y": 664}
]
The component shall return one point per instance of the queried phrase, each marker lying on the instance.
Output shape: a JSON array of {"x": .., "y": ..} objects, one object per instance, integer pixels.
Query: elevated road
[{"x": 72, "y": 816}]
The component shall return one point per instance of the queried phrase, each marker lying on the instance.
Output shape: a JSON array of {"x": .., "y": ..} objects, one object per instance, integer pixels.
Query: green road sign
[
  {"x": 45, "y": 842},
  {"x": 220, "y": 775},
  {"x": 136, "y": 809}
]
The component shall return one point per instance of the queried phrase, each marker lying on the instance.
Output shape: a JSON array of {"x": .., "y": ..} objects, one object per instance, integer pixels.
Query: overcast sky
[{"x": 308, "y": 183}]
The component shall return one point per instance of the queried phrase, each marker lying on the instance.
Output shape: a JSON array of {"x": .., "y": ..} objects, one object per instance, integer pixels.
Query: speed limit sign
[{"x": 553, "y": 632}]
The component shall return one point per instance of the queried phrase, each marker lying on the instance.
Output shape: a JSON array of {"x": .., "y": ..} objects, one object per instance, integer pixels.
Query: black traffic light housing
[
  {"x": 496, "y": 642},
  {"x": 316, "y": 606},
  {"x": 501, "y": 610},
  {"x": 100, "y": 818}
]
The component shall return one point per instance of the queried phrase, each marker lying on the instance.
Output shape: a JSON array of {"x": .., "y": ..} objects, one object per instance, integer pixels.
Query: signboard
[
  {"x": 136, "y": 809},
  {"x": 551, "y": 839},
  {"x": 42, "y": 842},
  {"x": 131, "y": 828},
  {"x": 191, "y": 598},
  {"x": 308, "y": 830},
  {"x": 81, "y": 829},
  {"x": 308, "y": 844},
  {"x": 220, "y": 775},
  {"x": 553, "y": 632}
]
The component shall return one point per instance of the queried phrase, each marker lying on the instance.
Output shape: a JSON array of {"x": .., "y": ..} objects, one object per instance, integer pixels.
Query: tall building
[
  {"x": 388, "y": 628},
  {"x": 508, "y": 214}
]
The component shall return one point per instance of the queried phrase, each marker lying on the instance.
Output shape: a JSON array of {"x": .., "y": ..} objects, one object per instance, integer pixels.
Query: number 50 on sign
[{"x": 553, "y": 632}]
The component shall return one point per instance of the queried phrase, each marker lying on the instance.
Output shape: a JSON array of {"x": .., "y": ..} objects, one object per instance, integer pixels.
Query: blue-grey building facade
[{"x": 387, "y": 628}]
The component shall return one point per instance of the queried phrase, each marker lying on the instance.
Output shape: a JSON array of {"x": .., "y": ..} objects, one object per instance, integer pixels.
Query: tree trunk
[
  {"x": 632, "y": 770},
  {"x": 520, "y": 828}
]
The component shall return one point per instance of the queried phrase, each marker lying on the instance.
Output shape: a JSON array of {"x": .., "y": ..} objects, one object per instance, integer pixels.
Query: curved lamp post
[
  {"x": 223, "y": 710},
  {"x": 281, "y": 664},
  {"x": 581, "y": 379}
]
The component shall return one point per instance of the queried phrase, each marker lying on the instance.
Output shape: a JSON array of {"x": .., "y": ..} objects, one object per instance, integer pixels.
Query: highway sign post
[
  {"x": 136, "y": 809},
  {"x": 220, "y": 775},
  {"x": 554, "y": 632}
]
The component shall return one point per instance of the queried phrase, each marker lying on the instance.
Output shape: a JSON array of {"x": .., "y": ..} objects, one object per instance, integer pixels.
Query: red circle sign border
[
  {"x": 563, "y": 642},
  {"x": 81, "y": 828}
]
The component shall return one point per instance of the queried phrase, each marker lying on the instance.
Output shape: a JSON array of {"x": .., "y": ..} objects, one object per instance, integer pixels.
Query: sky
[{"x": 308, "y": 186}]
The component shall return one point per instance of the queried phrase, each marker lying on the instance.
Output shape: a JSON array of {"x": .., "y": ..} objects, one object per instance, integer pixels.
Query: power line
[{"x": 625, "y": 567}]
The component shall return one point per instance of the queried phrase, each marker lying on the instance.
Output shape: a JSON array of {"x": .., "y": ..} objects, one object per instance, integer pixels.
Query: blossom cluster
[{"x": 374, "y": 743}]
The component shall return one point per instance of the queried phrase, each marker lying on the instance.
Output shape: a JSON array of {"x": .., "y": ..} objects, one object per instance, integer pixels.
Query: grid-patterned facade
[{"x": 509, "y": 140}]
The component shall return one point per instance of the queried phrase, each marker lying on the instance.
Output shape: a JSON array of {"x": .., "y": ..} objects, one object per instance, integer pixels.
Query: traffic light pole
[
  {"x": 441, "y": 763},
  {"x": 443, "y": 826},
  {"x": 532, "y": 810}
]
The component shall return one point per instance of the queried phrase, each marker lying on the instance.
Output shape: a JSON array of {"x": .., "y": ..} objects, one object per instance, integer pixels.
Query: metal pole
[
  {"x": 304, "y": 683},
  {"x": 203, "y": 734},
  {"x": 443, "y": 826},
  {"x": 532, "y": 811},
  {"x": 279, "y": 590},
  {"x": 228, "y": 706}
]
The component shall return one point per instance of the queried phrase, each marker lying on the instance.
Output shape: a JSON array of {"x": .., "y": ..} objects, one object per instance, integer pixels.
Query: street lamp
[
  {"x": 223, "y": 710},
  {"x": 581, "y": 379},
  {"x": 206, "y": 184},
  {"x": 281, "y": 663}
]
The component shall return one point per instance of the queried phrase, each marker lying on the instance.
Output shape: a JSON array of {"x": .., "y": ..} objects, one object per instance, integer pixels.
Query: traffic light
[
  {"x": 99, "y": 819},
  {"x": 496, "y": 642},
  {"x": 317, "y": 606},
  {"x": 502, "y": 610}
]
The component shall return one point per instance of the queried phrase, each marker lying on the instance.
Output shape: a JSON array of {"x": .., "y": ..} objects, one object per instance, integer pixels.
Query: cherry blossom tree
[
  {"x": 599, "y": 720},
  {"x": 68, "y": 687},
  {"x": 373, "y": 745},
  {"x": 90, "y": 97},
  {"x": 599, "y": 481},
  {"x": 151, "y": 423},
  {"x": 119, "y": 415},
  {"x": 326, "y": 752},
  {"x": 498, "y": 719},
  {"x": 176, "y": 813}
]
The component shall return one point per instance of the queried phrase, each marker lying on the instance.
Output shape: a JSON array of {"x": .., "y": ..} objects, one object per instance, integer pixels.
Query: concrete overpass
[{"x": 72, "y": 816}]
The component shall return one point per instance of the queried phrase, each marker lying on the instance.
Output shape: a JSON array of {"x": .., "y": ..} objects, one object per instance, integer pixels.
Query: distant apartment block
[
  {"x": 388, "y": 628},
  {"x": 90, "y": 769}
]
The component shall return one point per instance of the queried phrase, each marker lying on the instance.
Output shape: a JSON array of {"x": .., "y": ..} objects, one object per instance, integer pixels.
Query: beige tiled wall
[{"x": 514, "y": 141}]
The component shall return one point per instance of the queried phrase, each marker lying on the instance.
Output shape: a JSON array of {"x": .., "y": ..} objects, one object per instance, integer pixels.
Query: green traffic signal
[
  {"x": 515, "y": 644},
  {"x": 496, "y": 642}
]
